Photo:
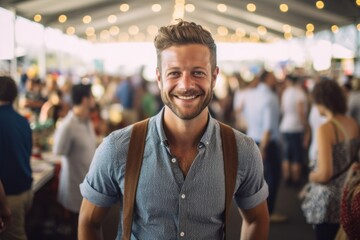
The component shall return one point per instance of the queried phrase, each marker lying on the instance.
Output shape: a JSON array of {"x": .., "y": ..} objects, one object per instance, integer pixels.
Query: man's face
[
  {"x": 186, "y": 81},
  {"x": 89, "y": 102},
  {"x": 271, "y": 81}
]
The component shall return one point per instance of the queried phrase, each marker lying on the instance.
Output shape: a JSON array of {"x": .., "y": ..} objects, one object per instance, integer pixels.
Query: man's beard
[{"x": 188, "y": 115}]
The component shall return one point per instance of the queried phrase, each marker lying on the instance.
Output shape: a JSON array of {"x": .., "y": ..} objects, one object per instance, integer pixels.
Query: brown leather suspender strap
[
  {"x": 134, "y": 161},
  {"x": 132, "y": 172},
  {"x": 230, "y": 155}
]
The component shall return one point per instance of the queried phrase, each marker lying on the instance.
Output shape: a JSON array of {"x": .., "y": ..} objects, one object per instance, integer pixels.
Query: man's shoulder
[{"x": 241, "y": 138}]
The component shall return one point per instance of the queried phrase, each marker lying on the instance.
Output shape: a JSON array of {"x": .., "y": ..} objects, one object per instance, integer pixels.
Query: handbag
[{"x": 319, "y": 202}]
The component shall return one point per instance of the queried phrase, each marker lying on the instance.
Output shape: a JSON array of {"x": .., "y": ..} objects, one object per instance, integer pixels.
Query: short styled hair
[
  {"x": 79, "y": 91},
  {"x": 329, "y": 94},
  {"x": 8, "y": 89},
  {"x": 184, "y": 33},
  {"x": 292, "y": 78}
]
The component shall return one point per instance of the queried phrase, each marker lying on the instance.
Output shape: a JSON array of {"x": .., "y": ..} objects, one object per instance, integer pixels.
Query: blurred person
[
  {"x": 315, "y": 120},
  {"x": 75, "y": 141},
  {"x": 354, "y": 100},
  {"x": 101, "y": 126},
  {"x": 262, "y": 113},
  {"x": 147, "y": 105},
  {"x": 125, "y": 95},
  {"x": 183, "y": 166},
  {"x": 15, "y": 153},
  {"x": 292, "y": 127},
  {"x": 322, "y": 202},
  {"x": 238, "y": 104},
  {"x": 239, "y": 100},
  {"x": 32, "y": 98},
  {"x": 52, "y": 108}
]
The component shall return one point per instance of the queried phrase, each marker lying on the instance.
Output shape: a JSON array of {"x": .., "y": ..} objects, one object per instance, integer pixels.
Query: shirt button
[
  {"x": 182, "y": 234},
  {"x": 173, "y": 160},
  {"x": 183, "y": 196}
]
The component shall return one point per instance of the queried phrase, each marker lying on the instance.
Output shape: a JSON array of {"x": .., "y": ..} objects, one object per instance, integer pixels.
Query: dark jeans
[
  {"x": 272, "y": 172},
  {"x": 326, "y": 231},
  {"x": 294, "y": 150}
]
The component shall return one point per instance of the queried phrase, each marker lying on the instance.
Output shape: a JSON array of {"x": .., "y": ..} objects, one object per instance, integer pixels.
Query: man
[
  {"x": 75, "y": 141},
  {"x": 15, "y": 153},
  {"x": 262, "y": 113},
  {"x": 292, "y": 128},
  {"x": 181, "y": 185}
]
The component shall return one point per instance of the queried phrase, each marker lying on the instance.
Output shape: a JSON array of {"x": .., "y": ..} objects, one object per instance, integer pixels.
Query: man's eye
[
  {"x": 199, "y": 74},
  {"x": 173, "y": 74}
]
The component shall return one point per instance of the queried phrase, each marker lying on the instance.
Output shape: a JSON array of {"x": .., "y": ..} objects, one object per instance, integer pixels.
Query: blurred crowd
[{"x": 284, "y": 105}]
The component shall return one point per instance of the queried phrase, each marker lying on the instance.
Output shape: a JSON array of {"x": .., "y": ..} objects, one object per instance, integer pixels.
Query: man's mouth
[{"x": 186, "y": 97}]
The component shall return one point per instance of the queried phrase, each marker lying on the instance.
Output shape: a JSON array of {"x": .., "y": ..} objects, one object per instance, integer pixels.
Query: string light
[
  {"x": 222, "y": 31},
  {"x": 37, "y": 18},
  {"x": 87, "y": 19},
  {"x": 320, "y": 4},
  {"x": 221, "y": 7},
  {"x": 310, "y": 27},
  {"x": 70, "y": 30},
  {"x": 114, "y": 30},
  {"x": 334, "y": 28},
  {"x": 261, "y": 30},
  {"x": 133, "y": 30},
  {"x": 284, "y": 7},
  {"x": 124, "y": 7},
  {"x": 156, "y": 7},
  {"x": 251, "y": 7},
  {"x": 62, "y": 18},
  {"x": 90, "y": 31},
  {"x": 112, "y": 19},
  {"x": 189, "y": 7}
]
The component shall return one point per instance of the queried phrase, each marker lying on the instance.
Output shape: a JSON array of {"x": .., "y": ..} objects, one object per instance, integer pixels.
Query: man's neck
[
  {"x": 81, "y": 112},
  {"x": 185, "y": 133}
]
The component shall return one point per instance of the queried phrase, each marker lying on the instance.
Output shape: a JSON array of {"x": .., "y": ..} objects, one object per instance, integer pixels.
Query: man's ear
[
  {"x": 158, "y": 77},
  {"x": 214, "y": 76}
]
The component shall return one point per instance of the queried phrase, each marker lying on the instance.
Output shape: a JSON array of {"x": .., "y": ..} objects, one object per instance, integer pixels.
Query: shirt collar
[
  {"x": 76, "y": 118},
  {"x": 6, "y": 106},
  {"x": 205, "y": 139}
]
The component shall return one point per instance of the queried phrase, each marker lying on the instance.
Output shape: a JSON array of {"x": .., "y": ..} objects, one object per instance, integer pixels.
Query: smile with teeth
[{"x": 186, "y": 97}]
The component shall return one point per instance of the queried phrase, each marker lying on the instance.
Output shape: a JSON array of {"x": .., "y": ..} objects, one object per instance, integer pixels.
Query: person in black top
[{"x": 15, "y": 170}]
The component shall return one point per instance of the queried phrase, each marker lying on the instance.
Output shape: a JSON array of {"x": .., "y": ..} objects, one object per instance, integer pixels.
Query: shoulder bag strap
[
  {"x": 340, "y": 126},
  {"x": 132, "y": 172},
  {"x": 230, "y": 155},
  {"x": 347, "y": 140}
]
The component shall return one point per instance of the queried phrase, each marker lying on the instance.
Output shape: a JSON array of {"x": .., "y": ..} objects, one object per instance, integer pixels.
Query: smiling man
[{"x": 181, "y": 188}]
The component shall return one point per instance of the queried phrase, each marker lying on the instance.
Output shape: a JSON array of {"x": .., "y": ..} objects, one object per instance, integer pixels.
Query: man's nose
[{"x": 186, "y": 81}]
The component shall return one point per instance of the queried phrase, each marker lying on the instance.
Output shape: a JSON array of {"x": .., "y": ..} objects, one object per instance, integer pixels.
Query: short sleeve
[
  {"x": 101, "y": 184},
  {"x": 62, "y": 140},
  {"x": 251, "y": 188}
]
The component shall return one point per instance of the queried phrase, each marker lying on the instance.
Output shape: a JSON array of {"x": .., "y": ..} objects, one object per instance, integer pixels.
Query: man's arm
[
  {"x": 264, "y": 143},
  {"x": 90, "y": 220},
  {"x": 5, "y": 212},
  {"x": 255, "y": 224}
]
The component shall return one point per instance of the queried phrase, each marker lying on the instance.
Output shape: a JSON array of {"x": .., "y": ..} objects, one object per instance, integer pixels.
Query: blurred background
[{"x": 48, "y": 46}]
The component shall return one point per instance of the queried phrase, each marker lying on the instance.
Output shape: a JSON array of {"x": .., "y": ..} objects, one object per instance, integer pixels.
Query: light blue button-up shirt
[
  {"x": 168, "y": 205},
  {"x": 262, "y": 113}
]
